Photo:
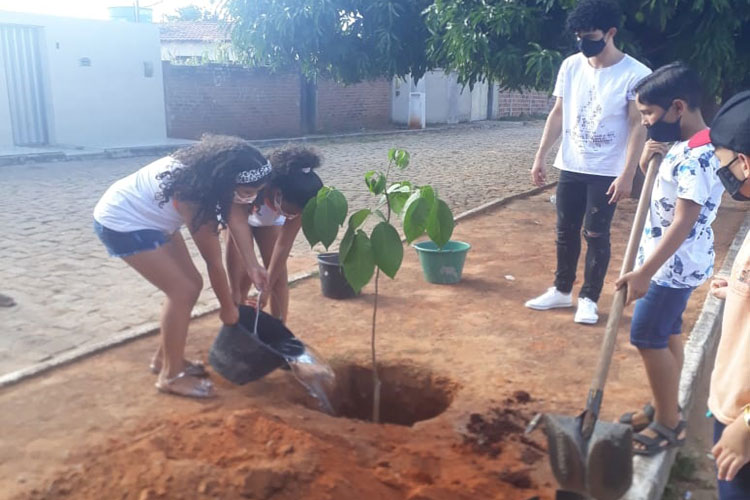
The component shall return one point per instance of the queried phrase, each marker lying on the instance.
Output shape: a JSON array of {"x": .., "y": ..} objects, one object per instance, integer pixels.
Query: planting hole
[{"x": 408, "y": 394}]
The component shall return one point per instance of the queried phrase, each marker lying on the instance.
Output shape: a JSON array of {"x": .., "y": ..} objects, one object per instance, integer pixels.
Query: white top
[
  {"x": 690, "y": 174},
  {"x": 266, "y": 216},
  {"x": 131, "y": 204},
  {"x": 595, "y": 114}
]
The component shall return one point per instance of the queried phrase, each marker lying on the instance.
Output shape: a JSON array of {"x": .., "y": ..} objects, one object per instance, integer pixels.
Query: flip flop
[
  {"x": 665, "y": 439},
  {"x": 204, "y": 388},
  {"x": 192, "y": 368},
  {"x": 648, "y": 410}
]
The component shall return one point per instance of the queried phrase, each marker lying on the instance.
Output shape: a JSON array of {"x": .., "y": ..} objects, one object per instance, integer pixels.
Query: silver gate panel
[{"x": 23, "y": 70}]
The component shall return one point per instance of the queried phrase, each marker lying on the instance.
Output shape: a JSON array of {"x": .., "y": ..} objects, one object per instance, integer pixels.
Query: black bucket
[
  {"x": 240, "y": 358},
  {"x": 332, "y": 280}
]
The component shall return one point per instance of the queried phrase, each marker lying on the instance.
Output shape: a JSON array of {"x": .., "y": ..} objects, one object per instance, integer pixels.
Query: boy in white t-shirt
[
  {"x": 676, "y": 253},
  {"x": 602, "y": 138}
]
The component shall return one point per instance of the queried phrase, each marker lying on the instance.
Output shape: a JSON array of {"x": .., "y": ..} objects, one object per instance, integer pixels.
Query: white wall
[
  {"x": 110, "y": 103},
  {"x": 6, "y": 132},
  {"x": 446, "y": 100}
]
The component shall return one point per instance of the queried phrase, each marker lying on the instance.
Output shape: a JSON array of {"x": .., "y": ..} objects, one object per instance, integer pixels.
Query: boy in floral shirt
[{"x": 676, "y": 252}]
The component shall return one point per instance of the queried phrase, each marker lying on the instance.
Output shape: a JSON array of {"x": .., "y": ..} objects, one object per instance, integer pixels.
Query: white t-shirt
[
  {"x": 265, "y": 217},
  {"x": 132, "y": 203},
  {"x": 688, "y": 173},
  {"x": 595, "y": 114}
]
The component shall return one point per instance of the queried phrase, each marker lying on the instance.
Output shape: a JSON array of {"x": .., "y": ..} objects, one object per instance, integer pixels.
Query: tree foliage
[
  {"x": 516, "y": 43},
  {"x": 348, "y": 40},
  {"x": 192, "y": 13}
]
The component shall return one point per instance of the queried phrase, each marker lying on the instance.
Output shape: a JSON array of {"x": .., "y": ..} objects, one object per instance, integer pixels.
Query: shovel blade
[
  {"x": 600, "y": 467},
  {"x": 609, "y": 471},
  {"x": 567, "y": 451}
]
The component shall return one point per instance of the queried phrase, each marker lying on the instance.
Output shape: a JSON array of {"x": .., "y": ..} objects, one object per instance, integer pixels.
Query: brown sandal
[{"x": 203, "y": 388}]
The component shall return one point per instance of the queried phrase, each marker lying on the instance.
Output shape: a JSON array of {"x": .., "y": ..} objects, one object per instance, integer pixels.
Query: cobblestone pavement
[{"x": 69, "y": 293}]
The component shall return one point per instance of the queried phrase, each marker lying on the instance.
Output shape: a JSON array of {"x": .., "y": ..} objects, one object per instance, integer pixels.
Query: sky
[{"x": 96, "y": 9}]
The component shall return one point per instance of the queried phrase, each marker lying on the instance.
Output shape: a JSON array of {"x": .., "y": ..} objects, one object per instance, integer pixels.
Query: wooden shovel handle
[{"x": 618, "y": 303}]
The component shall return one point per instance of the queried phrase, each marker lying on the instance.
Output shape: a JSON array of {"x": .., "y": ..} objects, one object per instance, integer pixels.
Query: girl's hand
[
  {"x": 637, "y": 284},
  {"x": 229, "y": 315},
  {"x": 719, "y": 287},
  {"x": 259, "y": 277},
  {"x": 732, "y": 451}
]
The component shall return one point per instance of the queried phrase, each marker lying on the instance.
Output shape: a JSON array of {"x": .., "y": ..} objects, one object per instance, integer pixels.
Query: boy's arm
[
  {"x": 552, "y": 132},
  {"x": 623, "y": 185},
  {"x": 686, "y": 213}
]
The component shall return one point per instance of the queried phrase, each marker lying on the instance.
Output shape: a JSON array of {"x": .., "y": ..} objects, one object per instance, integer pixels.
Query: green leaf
[
  {"x": 308, "y": 222},
  {"x": 387, "y": 248},
  {"x": 358, "y": 218},
  {"x": 330, "y": 213},
  {"x": 440, "y": 224},
  {"x": 392, "y": 154},
  {"x": 402, "y": 158},
  {"x": 359, "y": 264},
  {"x": 369, "y": 179},
  {"x": 376, "y": 185},
  {"x": 397, "y": 201},
  {"x": 339, "y": 206},
  {"x": 379, "y": 185},
  {"x": 346, "y": 244},
  {"x": 416, "y": 212},
  {"x": 428, "y": 193}
]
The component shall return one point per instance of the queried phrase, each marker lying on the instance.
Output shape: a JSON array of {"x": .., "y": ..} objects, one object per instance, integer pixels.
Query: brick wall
[
  {"x": 249, "y": 103},
  {"x": 365, "y": 105},
  {"x": 526, "y": 103}
]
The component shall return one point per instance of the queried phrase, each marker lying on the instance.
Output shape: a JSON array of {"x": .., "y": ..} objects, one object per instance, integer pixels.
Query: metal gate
[{"x": 23, "y": 70}]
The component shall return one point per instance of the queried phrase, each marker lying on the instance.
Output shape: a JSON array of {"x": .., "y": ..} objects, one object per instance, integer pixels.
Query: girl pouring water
[
  {"x": 139, "y": 217},
  {"x": 274, "y": 222}
]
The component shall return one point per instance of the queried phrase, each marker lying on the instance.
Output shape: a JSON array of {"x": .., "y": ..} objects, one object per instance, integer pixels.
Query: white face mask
[
  {"x": 277, "y": 204},
  {"x": 244, "y": 200}
]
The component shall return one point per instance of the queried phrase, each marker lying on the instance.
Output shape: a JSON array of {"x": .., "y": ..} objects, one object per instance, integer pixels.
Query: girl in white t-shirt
[
  {"x": 275, "y": 221},
  {"x": 139, "y": 219}
]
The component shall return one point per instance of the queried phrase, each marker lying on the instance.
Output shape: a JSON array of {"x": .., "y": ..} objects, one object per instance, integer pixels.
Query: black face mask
[
  {"x": 591, "y": 48},
  {"x": 662, "y": 131},
  {"x": 731, "y": 183}
]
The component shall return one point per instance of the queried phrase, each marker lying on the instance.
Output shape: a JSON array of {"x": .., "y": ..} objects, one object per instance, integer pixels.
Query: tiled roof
[{"x": 188, "y": 31}]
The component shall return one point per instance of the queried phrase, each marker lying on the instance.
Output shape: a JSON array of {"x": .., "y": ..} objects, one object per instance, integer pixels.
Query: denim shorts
[
  {"x": 658, "y": 315},
  {"x": 125, "y": 244}
]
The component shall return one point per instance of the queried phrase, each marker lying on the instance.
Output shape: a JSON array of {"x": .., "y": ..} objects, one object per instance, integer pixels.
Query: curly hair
[
  {"x": 294, "y": 173},
  {"x": 594, "y": 15},
  {"x": 207, "y": 175}
]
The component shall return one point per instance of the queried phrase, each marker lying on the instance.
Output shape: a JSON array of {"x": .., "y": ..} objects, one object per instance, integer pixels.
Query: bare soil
[{"x": 465, "y": 367}]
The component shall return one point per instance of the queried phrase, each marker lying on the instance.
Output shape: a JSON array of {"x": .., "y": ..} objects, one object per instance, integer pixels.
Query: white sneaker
[
  {"x": 551, "y": 299},
  {"x": 587, "y": 313}
]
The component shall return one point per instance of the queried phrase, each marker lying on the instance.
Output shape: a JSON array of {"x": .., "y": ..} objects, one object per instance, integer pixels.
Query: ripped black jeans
[{"x": 582, "y": 201}]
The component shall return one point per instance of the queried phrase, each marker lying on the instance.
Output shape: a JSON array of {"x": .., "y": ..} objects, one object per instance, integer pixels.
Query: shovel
[{"x": 590, "y": 457}]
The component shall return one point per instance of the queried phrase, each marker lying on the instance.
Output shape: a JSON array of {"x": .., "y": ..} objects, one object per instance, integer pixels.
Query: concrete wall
[
  {"x": 117, "y": 100},
  {"x": 365, "y": 105}
]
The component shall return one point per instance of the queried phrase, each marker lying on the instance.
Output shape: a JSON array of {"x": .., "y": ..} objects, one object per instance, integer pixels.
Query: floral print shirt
[{"x": 688, "y": 171}]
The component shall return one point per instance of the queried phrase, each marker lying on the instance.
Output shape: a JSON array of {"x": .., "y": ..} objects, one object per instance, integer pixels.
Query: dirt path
[{"x": 97, "y": 429}]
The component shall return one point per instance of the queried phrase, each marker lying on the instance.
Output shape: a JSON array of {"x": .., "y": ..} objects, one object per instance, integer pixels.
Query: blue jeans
[{"x": 739, "y": 487}]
